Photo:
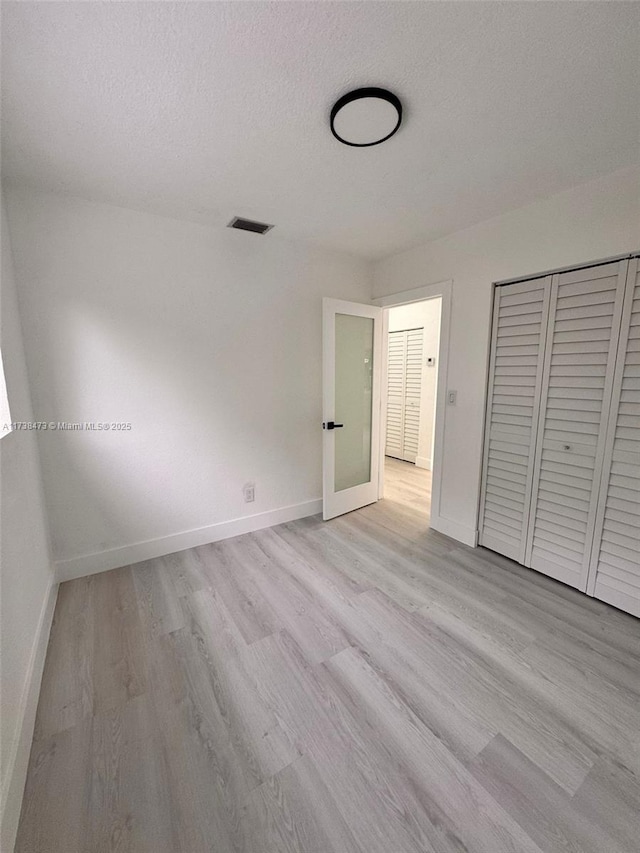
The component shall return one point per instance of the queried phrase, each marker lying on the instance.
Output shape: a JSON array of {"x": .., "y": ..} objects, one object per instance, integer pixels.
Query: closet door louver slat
[
  {"x": 518, "y": 339},
  {"x": 582, "y": 337},
  {"x": 615, "y": 561}
]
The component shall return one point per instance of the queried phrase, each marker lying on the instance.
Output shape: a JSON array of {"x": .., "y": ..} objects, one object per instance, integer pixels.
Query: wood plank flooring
[{"x": 364, "y": 685}]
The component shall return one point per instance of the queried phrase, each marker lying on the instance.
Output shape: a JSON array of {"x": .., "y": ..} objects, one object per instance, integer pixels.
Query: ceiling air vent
[{"x": 249, "y": 225}]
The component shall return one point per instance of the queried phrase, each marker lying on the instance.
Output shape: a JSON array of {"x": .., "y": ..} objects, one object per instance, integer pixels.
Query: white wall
[
  {"x": 27, "y": 593},
  {"x": 593, "y": 221},
  {"x": 206, "y": 340},
  {"x": 426, "y": 315}
]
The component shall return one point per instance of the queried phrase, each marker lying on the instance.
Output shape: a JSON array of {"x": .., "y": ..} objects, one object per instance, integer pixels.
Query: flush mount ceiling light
[{"x": 366, "y": 117}]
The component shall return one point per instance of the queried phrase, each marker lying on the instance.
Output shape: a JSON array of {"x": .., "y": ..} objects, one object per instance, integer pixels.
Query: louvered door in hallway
[{"x": 404, "y": 394}]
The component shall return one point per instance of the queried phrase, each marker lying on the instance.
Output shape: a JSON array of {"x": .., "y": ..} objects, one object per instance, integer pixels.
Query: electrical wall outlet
[
  {"x": 249, "y": 492},
  {"x": 452, "y": 396}
]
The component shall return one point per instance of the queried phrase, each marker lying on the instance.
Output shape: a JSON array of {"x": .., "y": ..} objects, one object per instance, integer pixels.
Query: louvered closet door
[
  {"x": 584, "y": 321},
  {"x": 518, "y": 338},
  {"x": 412, "y": 392},
  {"x": 615, "y": 564},
  {"x": 395, "y": 394},
  {"x": 404, "y": 389}
]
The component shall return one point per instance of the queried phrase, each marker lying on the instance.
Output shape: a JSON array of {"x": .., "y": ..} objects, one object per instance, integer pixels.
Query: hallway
[{"x": 408, "y": 485}]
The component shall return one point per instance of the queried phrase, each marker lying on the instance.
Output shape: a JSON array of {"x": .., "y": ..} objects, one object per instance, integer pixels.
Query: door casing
[{"x": 442, "y": 289}]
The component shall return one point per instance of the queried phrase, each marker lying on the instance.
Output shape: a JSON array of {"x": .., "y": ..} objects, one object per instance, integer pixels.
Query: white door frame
[{"x": 442, "y": 289}]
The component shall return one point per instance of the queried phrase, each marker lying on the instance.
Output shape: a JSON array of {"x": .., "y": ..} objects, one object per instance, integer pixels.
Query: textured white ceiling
[{"x": 207, "y": 110}]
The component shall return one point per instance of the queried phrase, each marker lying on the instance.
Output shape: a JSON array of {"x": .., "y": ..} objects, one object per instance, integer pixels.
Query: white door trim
[{"x": 444, "y": 290}]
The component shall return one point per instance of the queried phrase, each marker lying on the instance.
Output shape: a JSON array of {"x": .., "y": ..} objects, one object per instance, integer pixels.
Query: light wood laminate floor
[{"x": 358, "y": 686}]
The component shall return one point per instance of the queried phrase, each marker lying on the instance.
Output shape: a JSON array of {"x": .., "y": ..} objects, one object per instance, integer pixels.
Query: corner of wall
[
  {"x": 29, "y": 587},
  {"x": 460, "y": 532}
]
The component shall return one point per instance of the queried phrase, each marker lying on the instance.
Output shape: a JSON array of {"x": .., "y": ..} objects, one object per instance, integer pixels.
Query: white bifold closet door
[
  {"x": 615, "y": 561},
  {"x": 580, "y": 353},
  {"x": 561, "y": 475},
  {"x": 403, "y": 393},
  {"x": 517, "y": 356}
]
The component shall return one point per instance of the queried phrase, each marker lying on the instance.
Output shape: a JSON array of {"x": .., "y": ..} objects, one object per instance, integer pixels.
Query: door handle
[{"x": 331, "y": 425}]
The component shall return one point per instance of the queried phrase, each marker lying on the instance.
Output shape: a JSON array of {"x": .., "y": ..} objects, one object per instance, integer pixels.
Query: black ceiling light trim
[
  {"x": 249, "y": 225},
  {"x": 356, "y": 95}
]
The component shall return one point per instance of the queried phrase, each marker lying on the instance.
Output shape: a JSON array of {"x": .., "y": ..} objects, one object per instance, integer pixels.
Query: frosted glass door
[
  {"x": 354, "y": 387},
  {"x": 351, "y": 393}
]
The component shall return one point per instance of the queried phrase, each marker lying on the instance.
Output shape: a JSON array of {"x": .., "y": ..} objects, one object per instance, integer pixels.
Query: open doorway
[
  {"x": 355, "y": 404},
  {"x": 412, "y": 346},
  {"x": 413, "y": 399}
]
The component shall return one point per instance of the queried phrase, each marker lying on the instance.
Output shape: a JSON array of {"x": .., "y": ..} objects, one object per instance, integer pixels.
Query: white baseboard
[
  {"x": 464, "y": 534},
  {"x": 18, "y": 762},
  {"x": 423, "y": 462},
  {"x": 114, "y": 558}
]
